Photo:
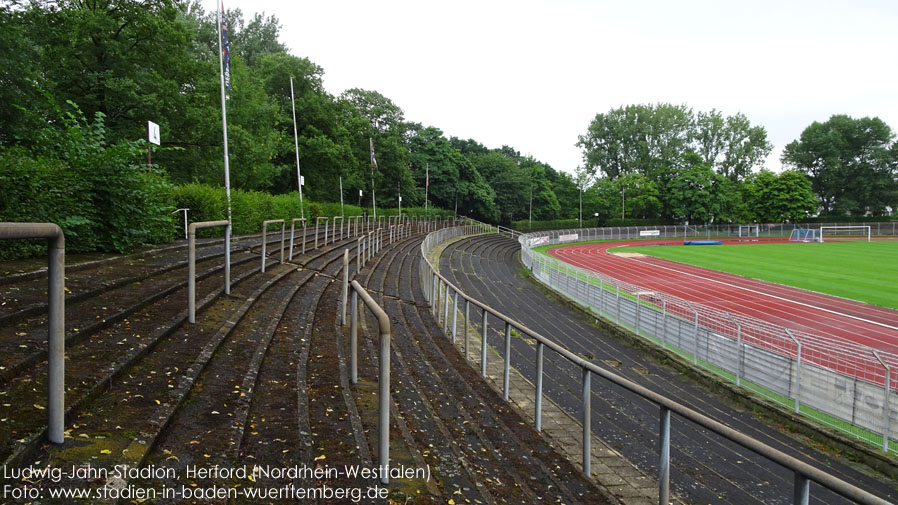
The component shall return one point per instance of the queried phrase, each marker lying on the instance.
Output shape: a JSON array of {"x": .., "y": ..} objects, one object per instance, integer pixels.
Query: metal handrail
[
  {"x": 292, "y": 228},
  {"x": 803, "y": 473},
  {"x": 317, "y": 224},
  {"x": 265, "y": 239},
  {"x": 191, "y": 263},
  {"x": 383, "y": 381},
  {"x": 55, "y": 317}
]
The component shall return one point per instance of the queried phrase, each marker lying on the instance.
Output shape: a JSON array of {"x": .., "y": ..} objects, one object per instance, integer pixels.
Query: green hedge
[
  {"x": 250, "y": 208},
  {"x": 102, "y": 195}
]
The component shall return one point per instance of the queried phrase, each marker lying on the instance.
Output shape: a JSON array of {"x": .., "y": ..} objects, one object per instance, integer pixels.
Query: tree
[
  {"x": 693, "y": 194},
  {"x": 786, "y": 197},
  {"x": 730, "y": 145},
  {"x": 650, "y": 139},
  {"x": 636, "y": 139},
  {"x": 851, "y": 164}
]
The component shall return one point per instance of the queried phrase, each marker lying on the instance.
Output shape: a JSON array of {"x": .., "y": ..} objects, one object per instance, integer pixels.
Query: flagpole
[
  {"x": 302, "y": 211},
  {"x": 373, "y": 168},
  {"x": 224, "y": 129},
  {"x": 426, "y": 186}
]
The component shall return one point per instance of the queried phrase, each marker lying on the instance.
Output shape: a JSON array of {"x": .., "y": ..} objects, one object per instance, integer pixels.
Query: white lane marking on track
[{"x": 876, "y": 323}]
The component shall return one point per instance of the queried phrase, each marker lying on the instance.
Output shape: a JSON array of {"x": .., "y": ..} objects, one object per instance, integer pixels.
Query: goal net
[
  {"x": 845, "y": 232},
  {"x": 803, "y": 235},
  {"x": 749, "y": 230}
]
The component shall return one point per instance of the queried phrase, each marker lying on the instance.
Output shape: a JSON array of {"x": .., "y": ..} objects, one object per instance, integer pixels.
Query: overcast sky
[{"x": 533, "y": 74}]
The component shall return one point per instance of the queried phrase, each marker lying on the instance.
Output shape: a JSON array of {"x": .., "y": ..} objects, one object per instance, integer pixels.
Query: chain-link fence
[{"x": 839, "y": 383}]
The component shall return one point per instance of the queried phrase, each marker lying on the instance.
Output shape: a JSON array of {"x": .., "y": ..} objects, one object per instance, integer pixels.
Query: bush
[{"x": 102, "y": 196}]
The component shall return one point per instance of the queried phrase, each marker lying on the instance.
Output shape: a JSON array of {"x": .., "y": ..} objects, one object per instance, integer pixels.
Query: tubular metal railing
[
  {"x": 191, "y": 263},
  {"x": 265, "y": 239},
  {"x": 435, "y": 286},
  {"x": 55, "y": 317},
  {"x": 292, "y": 228},
  {"x": 383, "y": 382}
]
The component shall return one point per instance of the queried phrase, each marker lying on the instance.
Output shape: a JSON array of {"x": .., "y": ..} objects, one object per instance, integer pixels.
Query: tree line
[
  {"x": 81, "y": 78},
  {"x": 667, "y": 161}
]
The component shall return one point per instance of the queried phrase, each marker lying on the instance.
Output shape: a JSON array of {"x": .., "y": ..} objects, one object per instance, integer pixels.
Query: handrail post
[
  {"x": 191, "y": 264},
  {"x": 55, "y": 317},
  {"x": 446, "y": 308},
  {"x": 227, "y": 273},
  {"x": 292, "y": 230},
  {"x": 507, "y": 367},
  {"x": 283, "y": 233},
  {"x": 587, "y": 419},
  {"x": 538, "y": 400},
  {"x": 664, "y": 458},
  {"x": 467, "y": 338},
  {"x": 455, "y": 317},
  {"x": 383, "y": 386},
  {"x": 802, "y": 488},
  {"x": 318, "y": 225},
  {"x": 353, "y": 337},
  {"x": 483, "y": 346},
  {"x": 345, "y": 285},
  {"x": 358, "y": 256},
  {"x": 265, "y": 239}
]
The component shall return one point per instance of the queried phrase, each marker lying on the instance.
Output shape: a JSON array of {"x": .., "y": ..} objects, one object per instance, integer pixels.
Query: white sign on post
[
  {"x": 302, "y": 180},
  {"x": 153, "y": 133}
]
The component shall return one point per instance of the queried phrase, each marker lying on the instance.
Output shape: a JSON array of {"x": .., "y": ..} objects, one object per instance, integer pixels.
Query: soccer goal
[
  {"x": 804, "y": 235},
  {"x": 749, "y": 230},
  {"x": 845, "y": 232}
]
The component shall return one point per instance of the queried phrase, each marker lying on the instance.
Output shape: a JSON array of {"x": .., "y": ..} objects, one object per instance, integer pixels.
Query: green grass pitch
[{"x": 863, "y": 271}]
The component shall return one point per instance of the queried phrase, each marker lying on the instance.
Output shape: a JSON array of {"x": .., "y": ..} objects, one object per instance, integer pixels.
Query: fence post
[
  {"x": 617, "y": 291},
  {"x": 885, "y": 403},
  {"x": 797, "y": 371},
  {"x": 638, "y": 294},
  {"x": 664, "y": 323},
  {"x": 695, "y": 335},
  {"x": 664, "y": 461},
  {"x": 739, "y": 356},
  {"x": 358, "y": 256},
  {"x": 587, "y": 419},
  {"x": 538, "y": 401}
]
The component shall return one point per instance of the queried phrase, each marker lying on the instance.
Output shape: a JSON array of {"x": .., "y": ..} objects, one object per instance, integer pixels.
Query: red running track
[{"x": 793, "y": 308}]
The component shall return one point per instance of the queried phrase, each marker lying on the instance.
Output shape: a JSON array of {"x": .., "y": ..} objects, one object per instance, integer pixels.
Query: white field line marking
[{"x": 876, "y": 323}]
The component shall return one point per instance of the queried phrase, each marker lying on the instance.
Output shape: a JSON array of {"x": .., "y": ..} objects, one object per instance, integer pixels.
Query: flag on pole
[
  {"x": 373, "y": 161},
  {"x": 427, "y": 175},
  {"x": 225, "y": 53}
]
